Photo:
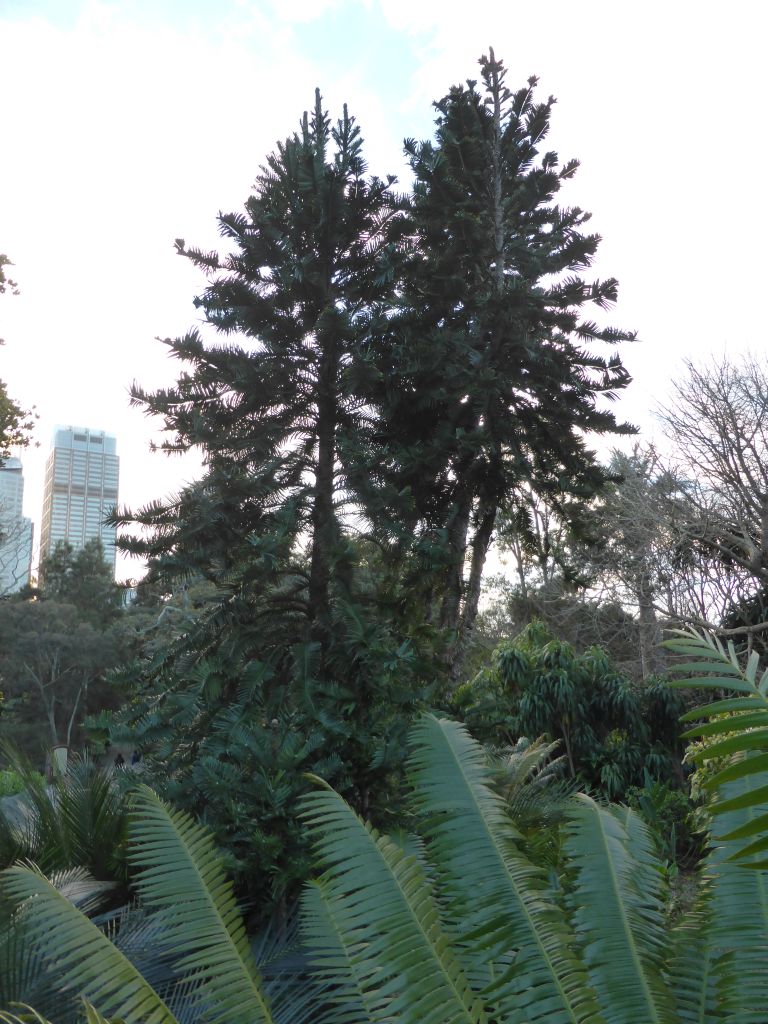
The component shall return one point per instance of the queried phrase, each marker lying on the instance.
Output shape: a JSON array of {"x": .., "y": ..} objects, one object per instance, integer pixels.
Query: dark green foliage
[
  {"x": 53, "y": 666},
  {"x": 231, "y": 737},
  {"x": 339, "y": 470},
  {"x": 566, "y": 611},
  {"x": 83, "y": 579},
  {"x": 493, "y": 385},
  {"x": 77, "y": 821},
  {"x": 15, "y": 424},
  {"x": 751, "y": 611},
  {"x": 282, "y": 412},
  {"x": 530, "y": 778},
  {"x": 453, "y": 924},
  {"x": 612, "y": 731},
  {"x": 309, "y": 655},
  {"x": 12, "y": 782},
  {"x": 672, "y": 817}
]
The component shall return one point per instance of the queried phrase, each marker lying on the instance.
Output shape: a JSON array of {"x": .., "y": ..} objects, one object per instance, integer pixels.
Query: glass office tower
[{"x": 81, "y": 480}]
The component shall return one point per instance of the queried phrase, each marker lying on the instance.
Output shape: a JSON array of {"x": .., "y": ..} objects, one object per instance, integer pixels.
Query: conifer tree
[
  {"x": 281, "y": 411},
  {"x": 391, "y": 370},
  {"x": 297, "y": 666},
  {"x": 495, "y": 383}
]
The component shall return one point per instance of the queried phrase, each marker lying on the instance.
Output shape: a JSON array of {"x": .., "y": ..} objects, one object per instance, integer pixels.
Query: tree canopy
[{"x": 377, "y": 376}]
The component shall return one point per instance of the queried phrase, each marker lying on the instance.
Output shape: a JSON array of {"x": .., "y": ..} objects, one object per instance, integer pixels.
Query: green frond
[
  {"x": 31, "y": 1016},
  {"x": 738, "y": 933},
  {"x": 24, "y": 975},
  {"x": 331, "y": 957},
  {"x": 620, "y": 925},
  {"x": 180, "y": 872},
  {"x": 28, "y": 1016},
  {"x": 92, "y": 1016},
  {"x": 694, "y": 973},
  {"x": 737, "y": 729},
  {"x": 67, "y": 939},
  {"x": 514, "y": 940},
  {"x": 382, "y": 906}
]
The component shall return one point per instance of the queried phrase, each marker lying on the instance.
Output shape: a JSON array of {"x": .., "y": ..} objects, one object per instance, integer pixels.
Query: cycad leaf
[
  {"x": 25, "y": 976},
  {"x": 723, "y": 707},
  {"x": 694, "y": 971},
  {"x": 78, "y": 949},
  {"x": 331, "y": 957},
  {"x": 739, "y": 927},
  {"x": 180, "y": 871},
  {"x": 514, "y": 940},
  {"x": 621, "y": 926},
  {"x": 382, "y": 906},
  {"x": 744, "y": 738}
]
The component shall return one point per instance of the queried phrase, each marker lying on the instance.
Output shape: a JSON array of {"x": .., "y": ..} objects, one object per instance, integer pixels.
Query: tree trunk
[
  {"x": 653, "y": 661},
  {"x": 457, "y": 548},
  {"x": 480, "y": 544},
  {"x": 71, "y": 722},
  {"x": 323, "y": 517}
]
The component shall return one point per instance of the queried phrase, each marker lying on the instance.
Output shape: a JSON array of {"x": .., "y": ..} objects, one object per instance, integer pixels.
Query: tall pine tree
[
  {"x": 282, "y": 411},
  {"x": 495, "y": 383},
  {"x": 390, "y": 370},
  {"x": 300, "y": 664}
]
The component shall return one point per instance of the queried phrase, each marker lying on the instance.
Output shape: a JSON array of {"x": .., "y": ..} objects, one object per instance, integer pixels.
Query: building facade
[
  {"x": 81, "y": 482},
  {"x": 16, "y": 531}
]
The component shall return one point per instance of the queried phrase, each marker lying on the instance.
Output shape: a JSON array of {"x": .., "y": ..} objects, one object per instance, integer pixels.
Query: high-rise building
[
  {"x": 16, "y": 532},
  {"x": 81, "y": 477}
]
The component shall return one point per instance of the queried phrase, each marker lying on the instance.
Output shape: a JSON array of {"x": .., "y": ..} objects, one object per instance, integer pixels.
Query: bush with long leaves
[
  {"x": 451, "y": 925},
  {"x": 80, "y": 820}
]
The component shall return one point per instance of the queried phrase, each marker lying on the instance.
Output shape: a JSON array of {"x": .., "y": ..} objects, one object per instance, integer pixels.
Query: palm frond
[
  {"x": 618, "y": 913},
  {"x": 74, "y": 945},
  {"x": 28, "y": 1016},
  {"x": 383, "y": 907},
  {"x": 513, "y": 937},
  {"x": 180, "y": 872}
]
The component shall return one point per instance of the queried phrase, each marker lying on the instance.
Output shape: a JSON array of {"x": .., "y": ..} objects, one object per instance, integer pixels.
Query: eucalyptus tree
[{"x": 496, "y": 384}]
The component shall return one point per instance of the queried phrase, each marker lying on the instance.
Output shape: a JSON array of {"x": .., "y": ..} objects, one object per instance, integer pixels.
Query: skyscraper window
[{"x": 81, "y": 480}]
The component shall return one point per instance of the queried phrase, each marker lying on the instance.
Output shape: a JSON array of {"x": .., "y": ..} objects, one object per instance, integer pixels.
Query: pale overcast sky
[{"x": 129, "y": 123}]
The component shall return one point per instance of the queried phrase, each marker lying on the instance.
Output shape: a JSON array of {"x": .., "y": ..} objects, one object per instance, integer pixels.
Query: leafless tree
[
  {"x": 15, "y": 552},
  {"x": 717, "y": 421}
]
